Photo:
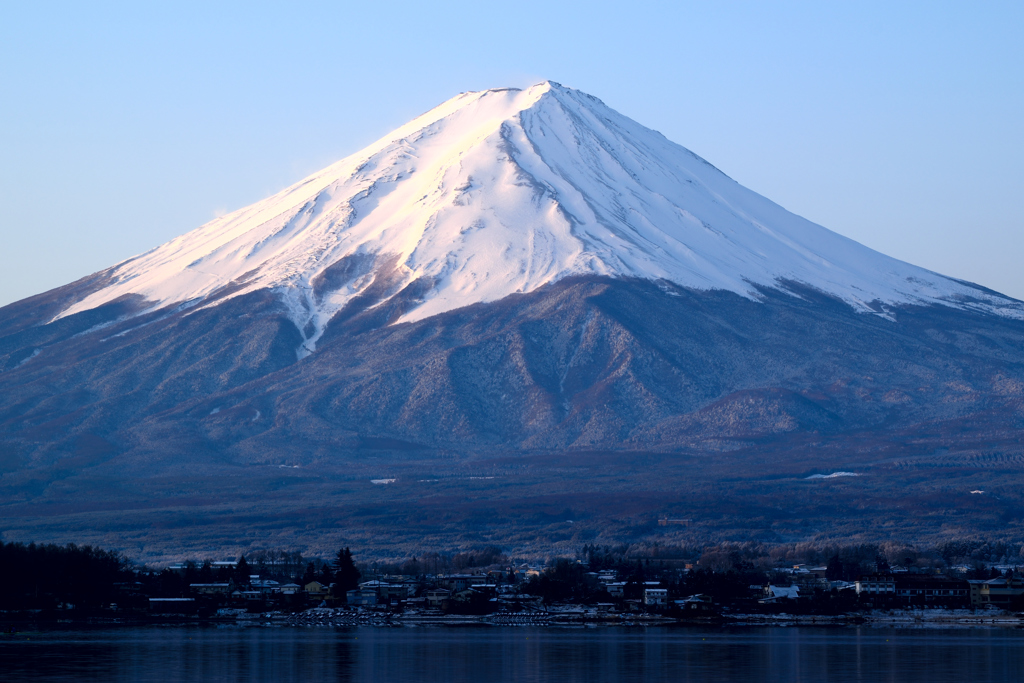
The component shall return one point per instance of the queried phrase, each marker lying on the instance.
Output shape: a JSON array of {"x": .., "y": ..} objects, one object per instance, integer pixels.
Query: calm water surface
[{"x": 524, "y": 655}]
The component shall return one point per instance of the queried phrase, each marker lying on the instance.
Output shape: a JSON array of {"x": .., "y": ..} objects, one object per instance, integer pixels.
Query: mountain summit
[
  {"x": 522, "y": 319},
  {"x": 503, "y": 191}
]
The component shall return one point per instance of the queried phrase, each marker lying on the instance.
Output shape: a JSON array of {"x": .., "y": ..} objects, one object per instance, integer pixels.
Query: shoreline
[{"x": 344, "y": 618}]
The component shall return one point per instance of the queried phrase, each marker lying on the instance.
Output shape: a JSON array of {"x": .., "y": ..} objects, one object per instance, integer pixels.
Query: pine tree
[
  {"x": 191, "y": 575},
  {"x": 242, "y": 572},
  {"x": 834, "y": 570},
  {"x": 326, "y": 576},
  {"x": 346, "y": 576}
]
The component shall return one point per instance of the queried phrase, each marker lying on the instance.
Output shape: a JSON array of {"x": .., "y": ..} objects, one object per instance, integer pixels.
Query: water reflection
[{"x": 524, "y": 655}]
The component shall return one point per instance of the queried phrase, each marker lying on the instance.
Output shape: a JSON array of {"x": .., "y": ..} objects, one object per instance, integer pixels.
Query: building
[
  {"x": 246, "y": 597},
  {"x": 315, "y": 589},
  {"x": 264, "y": 586},
  {"x": 361, "y": 596},
  {"x": 774, "y": 594},
  {"x": 457, "y": 583},
  {"x": 914, "y": 589},
  {"x": 699, "y": 604},
  {"x": 1000, "y": 592},
  {"x": 922, "y": 589},
  {"x": 387, "y": 593},
  {"x": 438, "y": 598},
  {"x": 488, "y": 590},
  {"x": 615, "y": 588},
  {"x": 655, "y": 597},
  {"x": 880, "y": 585}
]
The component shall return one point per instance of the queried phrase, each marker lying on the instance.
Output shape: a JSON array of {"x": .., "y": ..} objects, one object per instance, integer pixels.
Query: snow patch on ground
[
  {"x": 35, "y": 352},
  {"x": 834, "y": 475}
]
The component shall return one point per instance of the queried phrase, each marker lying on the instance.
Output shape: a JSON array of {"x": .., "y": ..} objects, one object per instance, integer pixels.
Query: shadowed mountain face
[{"x": 607, "y": 402}]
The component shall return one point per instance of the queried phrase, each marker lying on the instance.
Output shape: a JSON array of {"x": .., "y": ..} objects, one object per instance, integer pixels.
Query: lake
[{"x": 480, "y": 654}]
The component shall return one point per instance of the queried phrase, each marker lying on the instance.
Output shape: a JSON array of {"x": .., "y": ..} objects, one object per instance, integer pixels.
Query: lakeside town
[
  {"x": 504, "y": 597},
  {"x": 601, "y": 586}
]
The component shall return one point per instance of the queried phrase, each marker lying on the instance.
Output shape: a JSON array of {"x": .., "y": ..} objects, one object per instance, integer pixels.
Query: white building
[{"x": 656, "y": 597}]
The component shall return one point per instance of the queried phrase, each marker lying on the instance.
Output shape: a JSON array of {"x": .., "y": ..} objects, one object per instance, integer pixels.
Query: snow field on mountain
[{"x": 504, "y": 191}]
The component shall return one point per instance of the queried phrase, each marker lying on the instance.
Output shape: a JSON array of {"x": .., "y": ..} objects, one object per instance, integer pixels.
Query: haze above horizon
[{"x": 128, "y": 126}]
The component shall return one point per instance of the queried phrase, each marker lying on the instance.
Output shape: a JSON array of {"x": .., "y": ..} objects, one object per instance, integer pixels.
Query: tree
[
  {"x": 326, "y": 576},
  {"x": 242, "y": 572},
  {"x": 834, "y": 570},
  {"x": 565, "y": 580},
  {"x": 346, "y": 575},
  {"x": 41, "y": 576},
  {"x": 310, "y": 575},
  {"x": 191, "y": 574}
]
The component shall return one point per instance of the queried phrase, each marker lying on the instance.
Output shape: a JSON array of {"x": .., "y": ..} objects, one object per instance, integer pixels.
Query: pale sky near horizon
[{"x": 122, "y": 126}]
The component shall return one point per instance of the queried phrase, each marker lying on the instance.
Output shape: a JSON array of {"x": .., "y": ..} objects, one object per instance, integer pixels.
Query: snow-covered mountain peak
[{"x": 503, "y": 191}]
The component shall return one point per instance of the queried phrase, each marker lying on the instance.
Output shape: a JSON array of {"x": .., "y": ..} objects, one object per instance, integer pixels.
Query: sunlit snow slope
[{"x": 503, "y": 191}]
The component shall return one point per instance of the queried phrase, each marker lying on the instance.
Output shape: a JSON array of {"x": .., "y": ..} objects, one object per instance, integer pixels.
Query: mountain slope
[{"x": 613, "y": 399}]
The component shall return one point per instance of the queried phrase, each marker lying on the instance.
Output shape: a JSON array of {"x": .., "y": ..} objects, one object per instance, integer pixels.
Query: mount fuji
[{"x": 519, "y": 306}]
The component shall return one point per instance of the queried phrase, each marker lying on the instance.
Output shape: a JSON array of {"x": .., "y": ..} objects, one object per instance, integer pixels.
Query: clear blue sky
[{"x": 900, "y": 125}]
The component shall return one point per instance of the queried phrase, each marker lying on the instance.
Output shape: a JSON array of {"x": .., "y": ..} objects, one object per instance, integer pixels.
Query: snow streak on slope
[{"x": 503, "y": 191}]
